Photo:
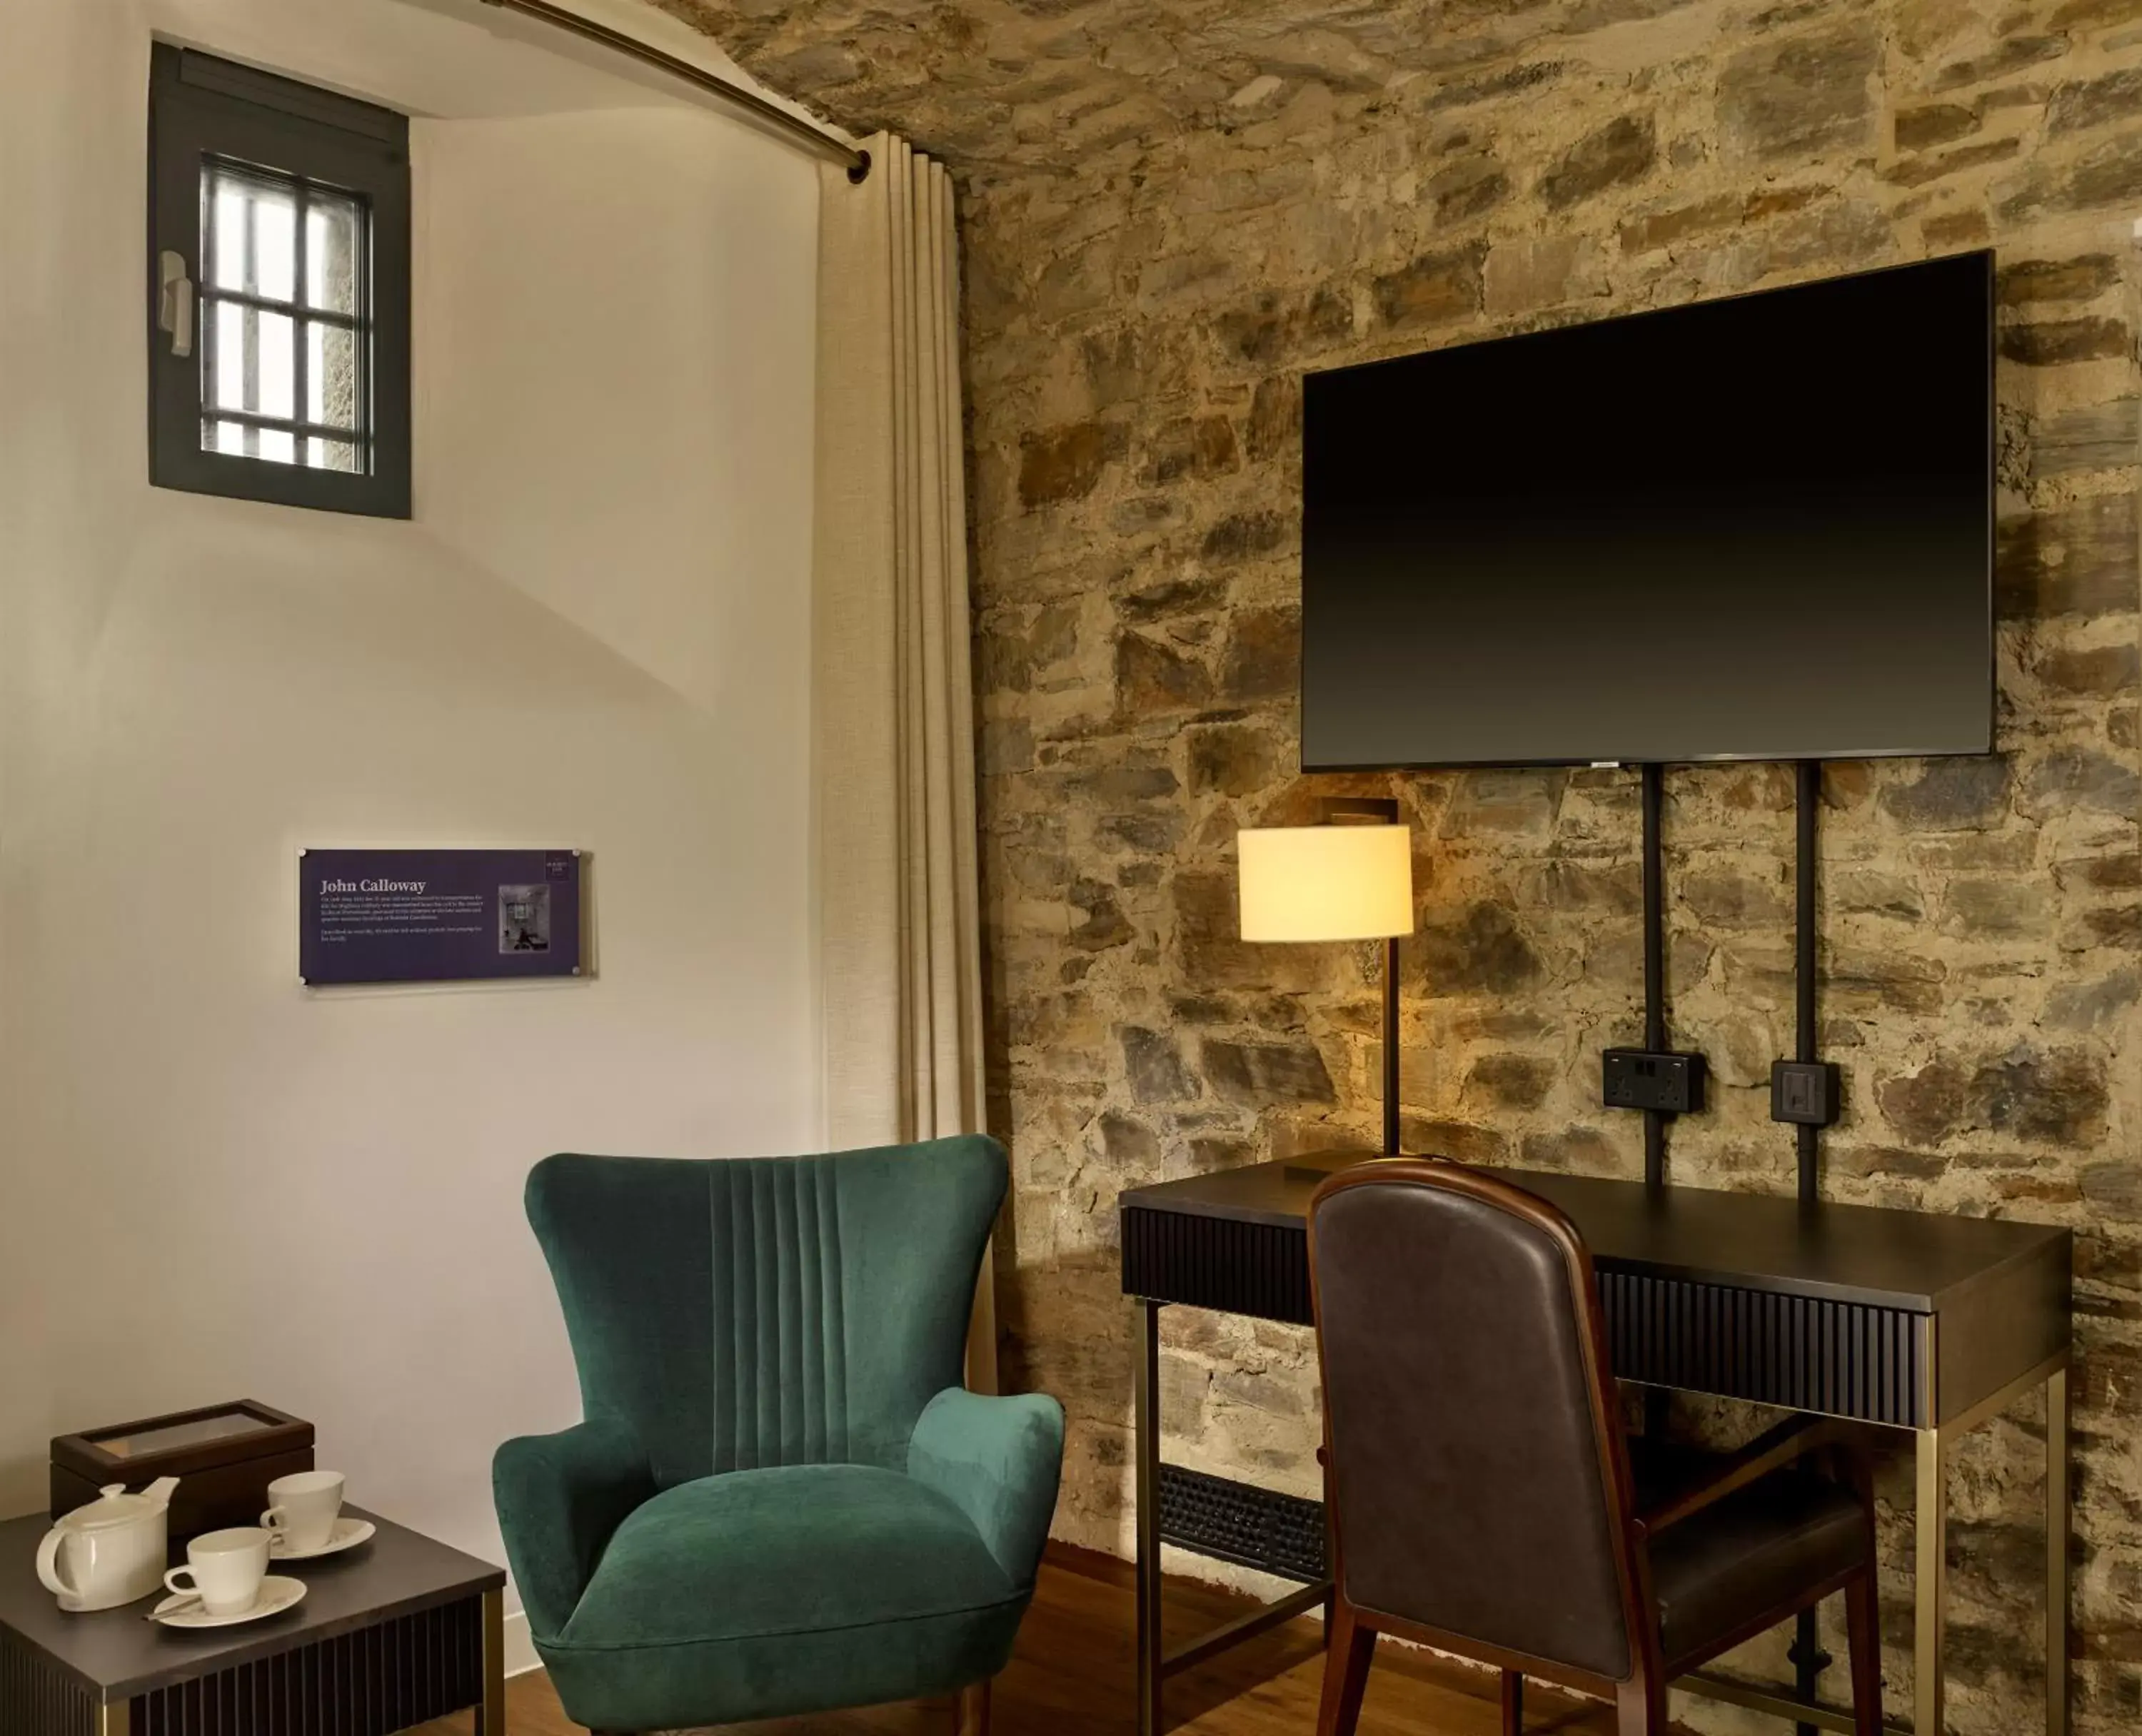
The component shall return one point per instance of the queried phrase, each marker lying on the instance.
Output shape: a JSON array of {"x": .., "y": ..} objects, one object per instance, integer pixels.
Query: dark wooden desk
[
  {"x": 1898, "y": 1319},
  {"x": 395, "y": 1632}
]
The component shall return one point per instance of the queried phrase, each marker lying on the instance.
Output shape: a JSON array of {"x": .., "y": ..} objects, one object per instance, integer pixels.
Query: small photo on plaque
[{"x": 524, "y": 918}]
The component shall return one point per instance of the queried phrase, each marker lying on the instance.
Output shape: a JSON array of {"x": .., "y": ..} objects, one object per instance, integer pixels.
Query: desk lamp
[{"x": 1350, "y": 878}]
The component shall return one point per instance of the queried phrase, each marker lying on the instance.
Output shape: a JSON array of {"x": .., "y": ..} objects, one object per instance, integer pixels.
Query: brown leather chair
[{"x": 1484, "y": 1497}]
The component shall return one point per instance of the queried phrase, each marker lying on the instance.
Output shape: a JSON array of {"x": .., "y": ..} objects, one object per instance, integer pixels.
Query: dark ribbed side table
[{"x": 397, "y": 1631}]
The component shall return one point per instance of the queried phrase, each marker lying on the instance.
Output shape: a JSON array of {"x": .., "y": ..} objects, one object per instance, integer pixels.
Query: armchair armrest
[
  {"x": 561, "y": 1497},
  {"x": 998, "y": 1461},
  {"x": 1774, "y": 1449}
]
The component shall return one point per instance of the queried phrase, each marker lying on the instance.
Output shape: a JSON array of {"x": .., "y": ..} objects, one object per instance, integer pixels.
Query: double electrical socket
[{"x": 1643, "y": 1079}]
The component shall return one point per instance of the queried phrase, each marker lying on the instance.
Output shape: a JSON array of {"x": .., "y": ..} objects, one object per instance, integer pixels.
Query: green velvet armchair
[{"x": 781, "y": 1500}]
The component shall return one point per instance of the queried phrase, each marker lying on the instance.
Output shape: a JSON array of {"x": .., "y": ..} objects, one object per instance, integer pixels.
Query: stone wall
[
  {"x": 1158, "y": 246},
  {"x": 1137, "y": 338}
]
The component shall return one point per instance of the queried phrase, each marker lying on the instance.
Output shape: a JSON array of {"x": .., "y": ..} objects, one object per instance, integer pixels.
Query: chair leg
[
  {"x": 974, "y": 1709},
  {"x": 1513, "y": 1703},
  {"x": 1348, "y": 1648},
  {"x": 1638, "y": 1711},
  {"x": 1862, "y": 1622}
]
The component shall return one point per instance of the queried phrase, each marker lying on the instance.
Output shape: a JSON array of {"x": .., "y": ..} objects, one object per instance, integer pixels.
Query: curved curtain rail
[{"x": 817, "y": 138}]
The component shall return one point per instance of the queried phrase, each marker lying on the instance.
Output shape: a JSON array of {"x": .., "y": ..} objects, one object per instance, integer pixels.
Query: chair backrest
[
  {"x": 753, "y": 1312},
  {"x": 1478, "y": 1475}
]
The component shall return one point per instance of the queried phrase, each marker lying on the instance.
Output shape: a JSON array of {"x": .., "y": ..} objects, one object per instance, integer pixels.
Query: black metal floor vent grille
[{"x": 1232, "y": 1522}]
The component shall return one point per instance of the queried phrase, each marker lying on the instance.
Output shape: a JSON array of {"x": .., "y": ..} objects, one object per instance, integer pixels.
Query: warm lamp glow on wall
[{"x": 1350, "y": 879}]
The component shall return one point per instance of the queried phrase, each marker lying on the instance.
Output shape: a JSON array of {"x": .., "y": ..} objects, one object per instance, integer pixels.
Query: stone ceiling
[{"x": 1012, "y": 85}]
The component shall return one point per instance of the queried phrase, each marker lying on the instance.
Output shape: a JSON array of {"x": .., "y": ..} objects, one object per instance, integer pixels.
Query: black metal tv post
[
  {"x": 1803, "y": 1093},
  {"x": 1662, "y": 1083}
]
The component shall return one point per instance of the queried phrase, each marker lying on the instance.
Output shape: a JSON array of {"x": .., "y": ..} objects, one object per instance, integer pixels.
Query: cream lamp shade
[{"x": 1326, "y": 882}]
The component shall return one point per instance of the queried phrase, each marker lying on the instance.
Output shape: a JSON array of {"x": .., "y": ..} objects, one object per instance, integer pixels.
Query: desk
[{"x": 1905, "y": 1320}]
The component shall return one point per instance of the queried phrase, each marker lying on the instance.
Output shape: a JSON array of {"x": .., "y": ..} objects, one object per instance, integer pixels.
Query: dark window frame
[{"x": 202, "y": 111}]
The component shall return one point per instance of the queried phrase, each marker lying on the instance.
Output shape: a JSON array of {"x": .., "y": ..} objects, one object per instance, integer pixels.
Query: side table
[{"x": 391, "y": 1633}]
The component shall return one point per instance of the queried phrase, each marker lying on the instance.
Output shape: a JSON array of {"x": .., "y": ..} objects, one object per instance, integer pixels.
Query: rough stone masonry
[{"x": 1171, "y": 209}]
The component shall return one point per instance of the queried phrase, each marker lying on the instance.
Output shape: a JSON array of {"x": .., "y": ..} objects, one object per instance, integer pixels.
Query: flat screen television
[{"x": 1758, "y": 528}]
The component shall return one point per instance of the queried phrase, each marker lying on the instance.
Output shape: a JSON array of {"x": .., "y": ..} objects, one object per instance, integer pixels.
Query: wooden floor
[{"x": 1072, "y": 1673}]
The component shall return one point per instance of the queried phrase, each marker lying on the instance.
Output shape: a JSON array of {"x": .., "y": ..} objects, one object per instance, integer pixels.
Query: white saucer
[
  {"x": 348, "y": 1534},
  {"x": 185, "y": 1610}
]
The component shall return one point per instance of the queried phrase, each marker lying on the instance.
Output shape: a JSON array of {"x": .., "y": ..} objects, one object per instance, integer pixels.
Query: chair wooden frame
[{"x": 1639, "y": 1699}]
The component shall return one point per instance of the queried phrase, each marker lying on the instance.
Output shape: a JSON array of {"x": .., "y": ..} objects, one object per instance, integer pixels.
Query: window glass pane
[
  {"x": 222, "y": 374},
  {"x": 277, "y": 374},
  {"x": 333, "y": 225},
  {"x": 275, "y": 244},
  {"x": 266, "y": 237},
  {"x": 253, "y": 361},
  {"x": 330, "y": 375},
  {"x": 253, "y": 238},
  {"x": 225, "y": 240},
  {"x": 241, "y": 440}
]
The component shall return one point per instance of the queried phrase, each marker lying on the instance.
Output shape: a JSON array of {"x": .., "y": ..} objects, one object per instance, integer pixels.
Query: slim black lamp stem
[
  {"x": 1391, "y": 1046},
  {"x": 1380, "y": 810}
]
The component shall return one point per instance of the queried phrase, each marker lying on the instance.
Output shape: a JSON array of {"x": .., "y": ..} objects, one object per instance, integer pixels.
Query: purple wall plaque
[{"x": 437, "y": 915}]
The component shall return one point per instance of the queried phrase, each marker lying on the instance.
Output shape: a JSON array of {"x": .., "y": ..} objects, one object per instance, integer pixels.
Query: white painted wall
[{"x": 595, "y": 632}]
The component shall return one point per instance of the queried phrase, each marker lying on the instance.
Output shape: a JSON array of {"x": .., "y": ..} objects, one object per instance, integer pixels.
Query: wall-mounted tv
[{"x": 1758, "y": 528}]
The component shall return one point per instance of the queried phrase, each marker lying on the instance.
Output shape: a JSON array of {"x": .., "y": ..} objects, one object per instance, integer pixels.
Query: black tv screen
[{"x": 1757, "y": 528}]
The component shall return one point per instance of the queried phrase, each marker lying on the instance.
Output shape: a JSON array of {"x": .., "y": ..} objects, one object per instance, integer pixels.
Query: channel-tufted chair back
[{"x": 757, "y": 1312}]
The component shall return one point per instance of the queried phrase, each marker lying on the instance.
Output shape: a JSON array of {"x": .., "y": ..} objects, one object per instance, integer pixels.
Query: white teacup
[
  {"x": 302, "y": 1508},
  {"x": 224, "y": 1569}
]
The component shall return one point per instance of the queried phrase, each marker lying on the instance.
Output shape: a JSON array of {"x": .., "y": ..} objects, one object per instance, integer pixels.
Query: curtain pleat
[{"x": 899, "y": 898}]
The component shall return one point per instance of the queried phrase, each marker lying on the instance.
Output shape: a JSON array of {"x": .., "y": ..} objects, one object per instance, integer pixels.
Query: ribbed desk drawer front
[
  {"x": 1800, "y": 1352},
  {"x": 1228, "y": 1264}
]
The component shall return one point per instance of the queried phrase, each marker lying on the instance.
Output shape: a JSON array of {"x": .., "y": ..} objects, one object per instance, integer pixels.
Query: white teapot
[{"x": 111, "y": 1551}]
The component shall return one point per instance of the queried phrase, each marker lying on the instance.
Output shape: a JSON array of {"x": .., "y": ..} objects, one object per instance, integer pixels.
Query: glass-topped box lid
[
  {"x": 181, "y": 1443},
  {"x": 135, "y": 1440}
]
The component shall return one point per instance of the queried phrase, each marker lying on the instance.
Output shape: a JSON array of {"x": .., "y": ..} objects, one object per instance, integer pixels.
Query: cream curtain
[{"x": 900, "y": 970}]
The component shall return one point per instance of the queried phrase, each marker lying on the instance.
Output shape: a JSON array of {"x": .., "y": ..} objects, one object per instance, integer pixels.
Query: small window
[{"x": 278, "y": 256}]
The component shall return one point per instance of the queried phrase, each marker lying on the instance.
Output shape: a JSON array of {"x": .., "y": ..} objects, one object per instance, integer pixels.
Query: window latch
[{"x": 174, "y": 305}]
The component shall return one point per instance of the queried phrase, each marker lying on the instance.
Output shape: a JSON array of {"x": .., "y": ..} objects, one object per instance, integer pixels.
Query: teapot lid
[{"x": 113, "y": 1505}]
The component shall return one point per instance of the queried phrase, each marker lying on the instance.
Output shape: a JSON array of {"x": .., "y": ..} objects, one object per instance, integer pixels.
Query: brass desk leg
[
  {"x": 1146, "y": 1425},
  {"x": 2056, "y": 1552},
  {"x": 490, "y": 1716},
  {"x": 1930, "y": 1590}
]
